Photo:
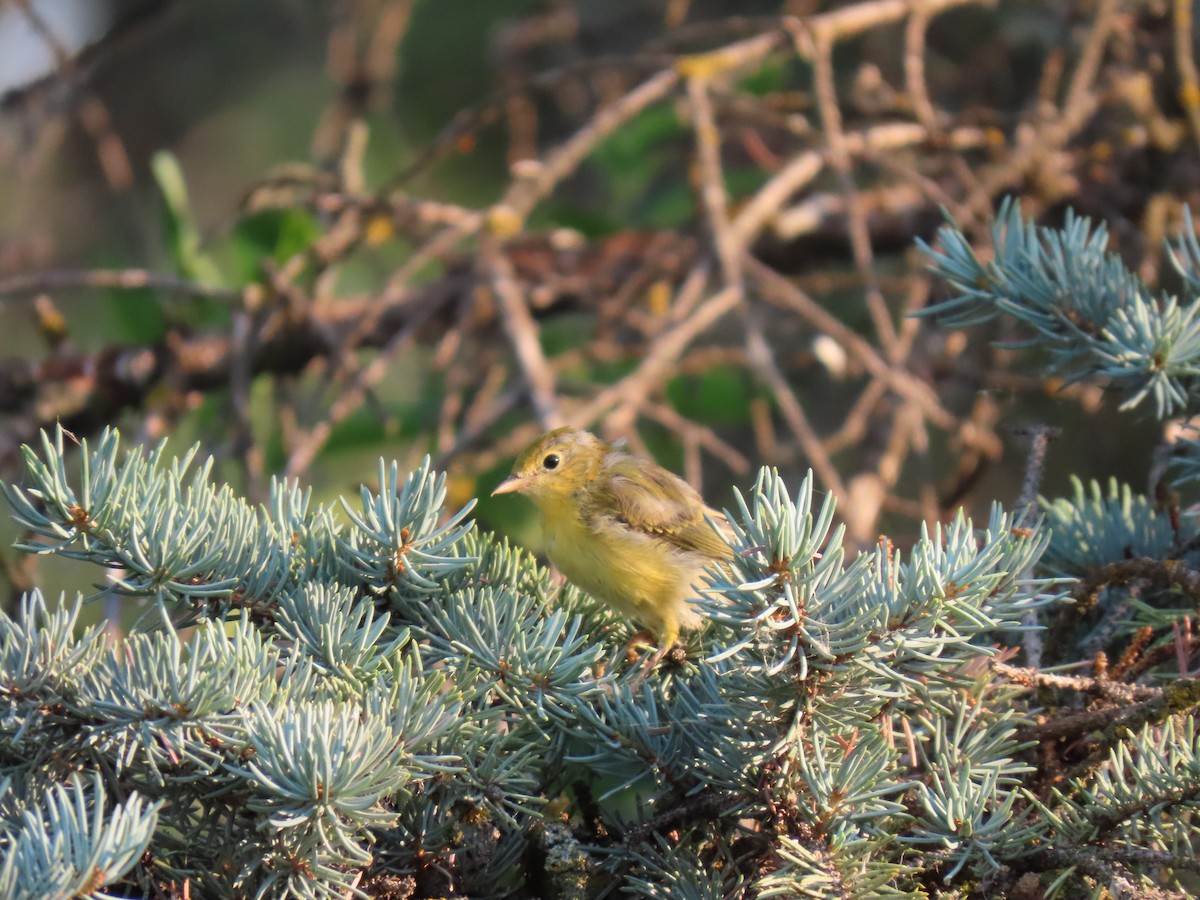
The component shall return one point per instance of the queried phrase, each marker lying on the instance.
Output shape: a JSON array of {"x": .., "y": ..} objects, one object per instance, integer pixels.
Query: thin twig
[
  {"x": 522, "y": 333},
  {"x": 109, "y": 279},
  {"x": 1040, "y": 437},
  {"x": 848, "y": 21},
  {"x": 712, "y": 182},
  {"x": 914, "y": 70},
  {"x": 1035, "y": 464},
  {"x": 1102, "y": 687},
  {"x": 1185, "y": 61},
  {"x": 819, "y": 47},
  {"x": 762, "y": 361}
]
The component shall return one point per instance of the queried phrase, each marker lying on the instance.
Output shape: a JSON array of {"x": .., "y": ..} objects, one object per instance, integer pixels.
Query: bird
[{"x": 628, "y": 532}]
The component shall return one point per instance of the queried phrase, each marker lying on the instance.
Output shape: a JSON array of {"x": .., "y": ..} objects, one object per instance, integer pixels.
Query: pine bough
[{"x": 378, "y": 700}]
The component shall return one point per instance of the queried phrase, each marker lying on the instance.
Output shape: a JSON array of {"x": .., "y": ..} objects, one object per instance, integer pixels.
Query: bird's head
[{"x": 556, "y": 465}]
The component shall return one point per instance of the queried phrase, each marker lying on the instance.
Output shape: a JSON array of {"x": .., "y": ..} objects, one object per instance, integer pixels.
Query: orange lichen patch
[
  {"x": 503, "y": 221},
  {"x": 706, "y": 65},
  {"x": 380, "y": 229},
  {"x": 658, "y": 298}
]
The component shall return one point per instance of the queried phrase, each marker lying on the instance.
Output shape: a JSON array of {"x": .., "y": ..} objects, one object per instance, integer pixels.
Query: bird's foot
[
  {"x": 676, "y": 654},
  {"x": 641, "y": 641}
]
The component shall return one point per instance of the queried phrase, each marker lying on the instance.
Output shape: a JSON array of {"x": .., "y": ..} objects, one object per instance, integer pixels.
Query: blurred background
[{"x": 312, "y": 234}]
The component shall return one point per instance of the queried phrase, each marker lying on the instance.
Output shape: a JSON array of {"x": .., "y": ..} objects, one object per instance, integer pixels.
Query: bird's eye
[{"x": 551, "y": 461}]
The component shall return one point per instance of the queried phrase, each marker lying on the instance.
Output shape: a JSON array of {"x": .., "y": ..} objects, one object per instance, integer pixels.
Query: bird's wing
[{"x": 647, "y": 498}]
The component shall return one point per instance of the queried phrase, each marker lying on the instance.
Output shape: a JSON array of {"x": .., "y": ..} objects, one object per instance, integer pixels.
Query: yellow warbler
[{"x": 620, "y": 527}]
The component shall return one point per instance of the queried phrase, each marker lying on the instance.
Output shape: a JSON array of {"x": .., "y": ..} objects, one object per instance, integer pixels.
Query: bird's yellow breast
[{"x": 635, "y": 573}]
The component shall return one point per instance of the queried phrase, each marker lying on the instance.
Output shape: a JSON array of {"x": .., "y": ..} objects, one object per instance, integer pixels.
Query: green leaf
[
  {"x": 275, "y": 234},
  {"x": 137, "y": 313},
  {"x": 183, "y": 237},
  {"x": 720, "y": 394}
]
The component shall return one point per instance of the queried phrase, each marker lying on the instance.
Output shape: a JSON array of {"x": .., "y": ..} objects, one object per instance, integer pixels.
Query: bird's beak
[{"x": 510, "y": 484}]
